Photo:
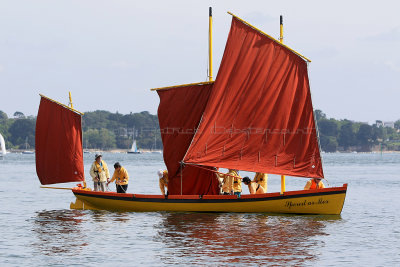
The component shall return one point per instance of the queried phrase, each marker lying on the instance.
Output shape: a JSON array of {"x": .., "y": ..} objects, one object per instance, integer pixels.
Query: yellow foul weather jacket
[
  {"x": 120, "y": 177},
  {"x": 99, "y": 172}
]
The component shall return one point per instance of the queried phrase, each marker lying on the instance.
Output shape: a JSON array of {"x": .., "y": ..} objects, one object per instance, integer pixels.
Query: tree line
[
  {"x": 100, "y": 130},
  {"x": 105, "y": 130},
  {"x": 346, "y": 135}
]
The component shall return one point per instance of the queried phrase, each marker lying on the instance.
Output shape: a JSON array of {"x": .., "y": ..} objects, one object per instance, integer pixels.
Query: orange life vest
[{"x": 314, "y": 185}]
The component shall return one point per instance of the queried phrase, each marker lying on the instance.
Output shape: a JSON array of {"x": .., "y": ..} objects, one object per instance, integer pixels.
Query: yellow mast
[
  {"x": 270, "y": 37},
  {"x": 70, "y": 101},
  {"x": 283, "y": 183},
  {"x": 210, "y": 77}
]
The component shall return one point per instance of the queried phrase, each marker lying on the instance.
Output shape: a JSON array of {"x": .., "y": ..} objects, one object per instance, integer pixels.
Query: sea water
[{"x": 39, "y": 229}]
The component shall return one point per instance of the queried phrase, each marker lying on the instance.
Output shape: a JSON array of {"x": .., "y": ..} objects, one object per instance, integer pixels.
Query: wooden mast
[{"x": 283, "y": 183}]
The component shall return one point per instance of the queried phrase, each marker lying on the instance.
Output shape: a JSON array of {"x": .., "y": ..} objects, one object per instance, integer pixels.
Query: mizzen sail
[
  {"x": 259, "y": 116},
  {"x": 58, "y": 143}
]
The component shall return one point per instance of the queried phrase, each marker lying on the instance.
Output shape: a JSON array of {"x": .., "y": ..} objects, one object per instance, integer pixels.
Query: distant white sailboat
[
  {"x": 134, "y": 149},
  {"x": 3, "y": 151}
]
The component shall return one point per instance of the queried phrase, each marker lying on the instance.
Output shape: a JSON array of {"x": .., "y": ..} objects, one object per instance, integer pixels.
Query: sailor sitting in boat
[
  {"x": 99, "y": 173},
  {"x": 254, "y": 188},
  {"x": 261, "y": 179},
  {"x": 163, "y": 180},
  {"x": 314, "y": 183}
]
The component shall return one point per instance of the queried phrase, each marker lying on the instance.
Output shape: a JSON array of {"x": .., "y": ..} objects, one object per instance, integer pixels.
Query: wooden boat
[
  {"x": 257, "y": 116},
  {"x": 323, "y": 201}
]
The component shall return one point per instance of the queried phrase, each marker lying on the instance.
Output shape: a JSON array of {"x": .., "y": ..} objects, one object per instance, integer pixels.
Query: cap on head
[
  {"x": 160, "y": 173},
  {"x": 97, "y": 155}
]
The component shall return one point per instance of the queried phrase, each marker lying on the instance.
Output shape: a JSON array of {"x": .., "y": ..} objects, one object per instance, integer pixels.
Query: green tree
[
  {"x": 19, "y": 115},
  {"x": 347, "y": 136},
  {"x": 328, "y": 127},
  {"x": 319, "y": 115},
  {"x": 22, "y": 130},
  {"x": 99, "y": 138},
  {"x": 378, "y": 133},
  {"x": 397, "y": 124},
  {"x": 328, "y": 143},
  {"x": 365, "y": 137},
  {"x": 3, "y": 116}
]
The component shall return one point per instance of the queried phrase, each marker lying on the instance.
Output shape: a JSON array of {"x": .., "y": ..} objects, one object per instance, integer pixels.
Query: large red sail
[
  {"x": 259, "y": 116},
  {"x": 58, "y": 144},
  {"x": 179, "y": 114}
]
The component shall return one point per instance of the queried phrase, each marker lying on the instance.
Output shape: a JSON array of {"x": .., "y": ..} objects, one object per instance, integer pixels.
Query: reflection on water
[
  {"x": 242, "y": 238},
  {"x": 59, "y": 231}
]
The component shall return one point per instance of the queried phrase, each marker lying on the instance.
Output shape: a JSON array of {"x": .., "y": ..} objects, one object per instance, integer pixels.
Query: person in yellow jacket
[
  {"x": 254, "y": 188},
  {"x": 99, "y": 173},
  {"x": 163, "y": 180},
  {"x": 231, "y": 183},
  {"x": 314, "y": 183},
  {"x": 261, "y": 179},
  {"x": 120, "y": 177}
]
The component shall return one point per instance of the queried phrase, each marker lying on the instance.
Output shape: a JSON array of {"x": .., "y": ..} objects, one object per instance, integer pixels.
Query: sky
[{"x": 109, "y": 54}]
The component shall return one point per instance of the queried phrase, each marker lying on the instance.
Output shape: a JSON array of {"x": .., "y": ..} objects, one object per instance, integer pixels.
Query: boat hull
[{"x": 322, "y": 201}]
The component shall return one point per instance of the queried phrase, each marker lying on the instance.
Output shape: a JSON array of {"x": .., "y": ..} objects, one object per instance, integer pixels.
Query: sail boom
[{"x": 182, "y": 85}]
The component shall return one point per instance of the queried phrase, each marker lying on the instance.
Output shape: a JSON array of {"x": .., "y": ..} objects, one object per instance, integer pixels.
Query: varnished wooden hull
[{"x": 322, "y": 201}]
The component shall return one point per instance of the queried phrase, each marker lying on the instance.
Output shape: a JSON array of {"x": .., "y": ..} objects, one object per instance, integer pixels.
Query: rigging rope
[{"x": 200, "y": 167}]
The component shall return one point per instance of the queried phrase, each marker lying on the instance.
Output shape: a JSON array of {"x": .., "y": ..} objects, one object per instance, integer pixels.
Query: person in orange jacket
[{"x": 314, "y": 183}]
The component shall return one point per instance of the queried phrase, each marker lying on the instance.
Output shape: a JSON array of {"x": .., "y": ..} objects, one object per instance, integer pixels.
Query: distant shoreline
[{"x": 160, "y": 151}]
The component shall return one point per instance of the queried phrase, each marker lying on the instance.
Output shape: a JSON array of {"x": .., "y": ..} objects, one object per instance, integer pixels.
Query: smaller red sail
[
  {"x": 58, "y": 144},
  {"x": 179, "y": 114}
]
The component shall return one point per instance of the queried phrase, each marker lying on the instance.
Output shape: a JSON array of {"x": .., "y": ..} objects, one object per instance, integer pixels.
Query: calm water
[{"x": 39, "y": 229}]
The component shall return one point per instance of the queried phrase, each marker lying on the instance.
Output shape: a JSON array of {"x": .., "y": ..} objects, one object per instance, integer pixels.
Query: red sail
[
  {"x": 58, "y": 144},
  {"x": 260, "y": 115},
  {"x": 179, "y": 114}
]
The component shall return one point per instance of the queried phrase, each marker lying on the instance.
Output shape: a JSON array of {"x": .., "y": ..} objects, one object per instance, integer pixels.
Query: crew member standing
[
  {"x": 231, "y": 183},
  {"x": 99, "y": 173},
  {"x": 237, "y": 184},
  {"x": 120, "y": 177}
]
